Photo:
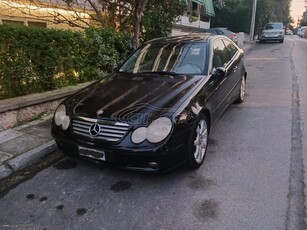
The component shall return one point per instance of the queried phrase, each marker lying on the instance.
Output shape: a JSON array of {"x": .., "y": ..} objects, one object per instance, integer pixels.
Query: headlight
[
  {"x": 60, "y": 117},
  {"x": 139, "y": 135},
  {"x": 66, "y": 123},
  {"x": 159, "y": 129}
]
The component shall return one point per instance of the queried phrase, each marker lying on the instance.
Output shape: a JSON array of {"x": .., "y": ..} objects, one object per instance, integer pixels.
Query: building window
[
  {"x": 12, "y": 22},
  {"x": 195, "y": 9},
  {"x": 37, "y": 24}
]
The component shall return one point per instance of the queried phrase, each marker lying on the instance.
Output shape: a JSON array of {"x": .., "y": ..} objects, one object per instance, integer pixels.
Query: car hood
[{"x": 129, "y": 96}]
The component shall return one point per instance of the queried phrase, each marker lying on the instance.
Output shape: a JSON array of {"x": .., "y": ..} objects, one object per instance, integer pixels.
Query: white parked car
[
  {"x": 301, "y": 31},
  {"x": 273, "y": 31}
]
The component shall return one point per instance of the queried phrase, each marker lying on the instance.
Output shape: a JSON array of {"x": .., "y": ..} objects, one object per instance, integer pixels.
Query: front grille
[{"x": 108, "y": 130}]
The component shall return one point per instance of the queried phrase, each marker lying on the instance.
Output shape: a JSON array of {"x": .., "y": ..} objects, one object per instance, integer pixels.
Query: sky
[{"x": 297, "y": 9}]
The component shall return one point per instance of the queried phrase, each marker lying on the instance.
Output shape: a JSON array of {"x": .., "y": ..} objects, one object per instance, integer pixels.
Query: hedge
[{"x": 36, "y": 59}]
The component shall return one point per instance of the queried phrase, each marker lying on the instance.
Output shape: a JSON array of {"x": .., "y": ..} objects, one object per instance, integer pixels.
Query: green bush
[{"x": 36, "y": 59}]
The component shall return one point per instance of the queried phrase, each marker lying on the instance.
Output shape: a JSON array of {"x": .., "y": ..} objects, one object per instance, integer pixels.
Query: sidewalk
[{"x": 26, "y": 144}]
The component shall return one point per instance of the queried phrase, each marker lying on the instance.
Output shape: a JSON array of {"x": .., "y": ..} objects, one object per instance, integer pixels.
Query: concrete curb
[
  {"x": 27, "y": 158},
  {"x": 5, "y": 171}
]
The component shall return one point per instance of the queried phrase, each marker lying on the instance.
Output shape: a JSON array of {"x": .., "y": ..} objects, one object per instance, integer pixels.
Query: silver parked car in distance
[{"x": 273, "y": 31}]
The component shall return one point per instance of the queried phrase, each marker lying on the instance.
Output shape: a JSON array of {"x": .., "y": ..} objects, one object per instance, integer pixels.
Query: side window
[
  {"x": 231, "y": 48},
  {"x": 221, "y": 56}
]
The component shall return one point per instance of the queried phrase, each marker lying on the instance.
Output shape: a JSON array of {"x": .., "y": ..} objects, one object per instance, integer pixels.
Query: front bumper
[
  {"x": 147, "y": 160},
  {"x": 272, "y": 37}
]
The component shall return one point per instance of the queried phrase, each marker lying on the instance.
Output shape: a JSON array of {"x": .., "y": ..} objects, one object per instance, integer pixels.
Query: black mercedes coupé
[{"x": 156, "y": 110}]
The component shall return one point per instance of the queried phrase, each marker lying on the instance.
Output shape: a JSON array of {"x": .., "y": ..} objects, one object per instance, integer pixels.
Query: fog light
[{"x": 153, "y": 165}]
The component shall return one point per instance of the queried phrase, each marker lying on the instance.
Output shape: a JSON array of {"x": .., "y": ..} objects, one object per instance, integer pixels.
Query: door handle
[{"x": 235, "y": 69}]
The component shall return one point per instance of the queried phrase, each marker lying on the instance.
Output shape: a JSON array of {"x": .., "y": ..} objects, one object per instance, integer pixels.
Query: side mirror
[{"x": 220, "y": 72}]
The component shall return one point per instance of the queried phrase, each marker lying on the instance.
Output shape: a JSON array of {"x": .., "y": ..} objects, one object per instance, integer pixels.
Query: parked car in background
[
  {"x": 156, "y": 110},
  {"x": 273, "y": 31},
  {"x": 223, "y": 31},
  {"x": 298, "y": 31},
  {"x": 289, "y": 31},
  {"x": 301, "y": 30}
]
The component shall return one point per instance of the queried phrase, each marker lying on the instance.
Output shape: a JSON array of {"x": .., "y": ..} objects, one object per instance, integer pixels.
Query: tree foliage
[
  {"x": 236, "y": 14},
  {"x": 233, "y": 14},
  {"x": 159, "y": 17},
  {"x": 35, "y": 59}
]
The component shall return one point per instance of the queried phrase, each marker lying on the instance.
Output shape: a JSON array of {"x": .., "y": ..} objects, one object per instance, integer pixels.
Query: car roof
[{"x": 197, "y": 37}]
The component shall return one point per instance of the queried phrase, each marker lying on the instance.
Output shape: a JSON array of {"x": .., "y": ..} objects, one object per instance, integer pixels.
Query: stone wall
[
  {"x": 15, "y": 111},
  {"x": 16, "y": 117}
]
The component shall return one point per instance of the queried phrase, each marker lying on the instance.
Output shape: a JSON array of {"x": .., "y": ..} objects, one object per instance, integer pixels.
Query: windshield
[
  {"x": 175, "y": 58},
  {"x": 273, "y": 26}
]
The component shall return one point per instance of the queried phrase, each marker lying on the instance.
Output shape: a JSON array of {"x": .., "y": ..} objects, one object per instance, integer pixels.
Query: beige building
[
  {"x": 44, "y": 14},
  {"x": 53, "y": 14},
  {"x": 197, "y": 17}
]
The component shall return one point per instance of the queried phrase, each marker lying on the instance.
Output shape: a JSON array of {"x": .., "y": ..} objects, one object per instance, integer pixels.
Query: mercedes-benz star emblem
[{"x": 94, "y": 130}]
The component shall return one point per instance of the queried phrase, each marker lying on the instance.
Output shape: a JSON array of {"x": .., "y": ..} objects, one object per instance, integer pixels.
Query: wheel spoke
[
  {"x": 197, "y": 152},
  {"x": 242, "y": 93}
]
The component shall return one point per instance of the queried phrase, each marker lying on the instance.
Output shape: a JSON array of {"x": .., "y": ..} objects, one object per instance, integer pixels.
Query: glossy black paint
[{"x": 138, "y": 99}]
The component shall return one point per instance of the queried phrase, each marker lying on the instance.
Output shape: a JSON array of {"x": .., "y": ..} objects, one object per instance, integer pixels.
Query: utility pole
[{"x": 252, "y": 28}]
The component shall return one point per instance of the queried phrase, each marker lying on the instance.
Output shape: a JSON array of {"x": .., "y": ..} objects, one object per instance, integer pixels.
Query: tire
[
  {"x": 281, "y": 41},
  {"x": 242, "y": 91},
  {"x": 198, "y": 143}
]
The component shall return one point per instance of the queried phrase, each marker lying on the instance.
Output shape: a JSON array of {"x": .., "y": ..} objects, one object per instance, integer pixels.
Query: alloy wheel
[{"x": 201, "y": 141}]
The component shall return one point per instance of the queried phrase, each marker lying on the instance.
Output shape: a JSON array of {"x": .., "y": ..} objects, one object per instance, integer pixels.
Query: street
[{"x": 253, "y": 175}]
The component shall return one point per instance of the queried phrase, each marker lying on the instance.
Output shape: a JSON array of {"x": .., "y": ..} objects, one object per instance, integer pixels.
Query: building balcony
[{"x": 188, "y": 21}]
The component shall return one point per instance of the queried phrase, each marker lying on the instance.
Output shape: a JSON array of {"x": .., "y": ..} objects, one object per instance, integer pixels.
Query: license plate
[
  {"x": 273, "y": 34},
  {"x": 92, "y": 153}
]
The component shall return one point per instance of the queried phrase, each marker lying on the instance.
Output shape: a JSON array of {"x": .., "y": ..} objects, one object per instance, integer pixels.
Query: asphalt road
[{"x": 253, "y": 177}]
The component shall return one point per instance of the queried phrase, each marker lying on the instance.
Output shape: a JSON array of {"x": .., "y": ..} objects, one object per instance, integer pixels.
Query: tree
[
  {"x": 138, "y": 13},
  {"x": 236, "y": 14},
  {"x": 159, "y": 16},
  {"x": 233, "y": 14}
]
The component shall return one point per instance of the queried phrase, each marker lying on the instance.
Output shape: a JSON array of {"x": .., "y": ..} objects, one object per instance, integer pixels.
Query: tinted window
[
  {"x": 230, "y": 47},
  {"x": 221, "y": 56},
  {"x": 270, "y": 26},
  {"x": 181, "y": 58}
]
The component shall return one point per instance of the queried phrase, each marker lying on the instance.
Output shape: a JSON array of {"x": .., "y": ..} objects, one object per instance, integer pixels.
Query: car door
[
  {"x": 236, "y": 71},
  {"x": 222, "y": 85}
]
